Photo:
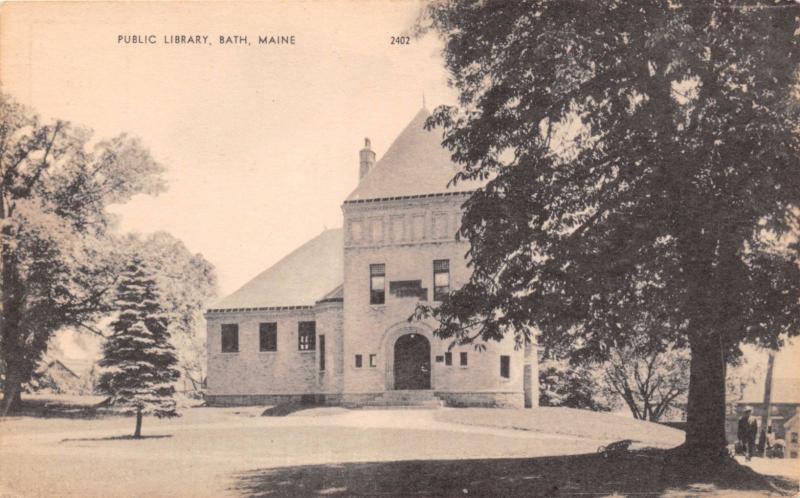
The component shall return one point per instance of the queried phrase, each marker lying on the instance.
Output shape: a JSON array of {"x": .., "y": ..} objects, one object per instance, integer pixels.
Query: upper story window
[
  {"x": 268, "y": 336},
  {"x": 441, "y": 278},
  {"x": 463, "y": 359},
  {"x": 377, "y": 284},
  {"x": 306, "y": 336},
  {"x": 230, "y": 338}
]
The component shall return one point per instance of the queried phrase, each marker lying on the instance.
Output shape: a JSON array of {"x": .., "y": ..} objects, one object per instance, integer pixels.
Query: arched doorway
[{"x": 412, "y": 362}]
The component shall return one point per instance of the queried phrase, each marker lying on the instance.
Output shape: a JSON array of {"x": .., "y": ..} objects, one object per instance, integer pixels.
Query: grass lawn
[{"x": 332, "y": 451}]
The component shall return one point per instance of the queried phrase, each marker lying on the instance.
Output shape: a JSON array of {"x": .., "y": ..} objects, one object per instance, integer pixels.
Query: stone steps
[{"x": 424, "y": 399}]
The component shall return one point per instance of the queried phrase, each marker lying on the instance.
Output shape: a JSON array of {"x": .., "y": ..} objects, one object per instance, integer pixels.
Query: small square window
[
  {"x": 359, "y": 361},
  {"x": 373, "y": 360},
  {"x": 463, "y": 359},
  {"x": 268, "y": 336},
  {"x": 439, "y": 359},
  {"x": 505, "y": 367},
  {"x": 306, "y": 336},
  {"x": 230, "y": 338},
  {"x": 448, "y": 358}
]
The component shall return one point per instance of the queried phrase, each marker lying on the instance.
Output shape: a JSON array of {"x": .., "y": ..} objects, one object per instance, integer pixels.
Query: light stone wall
[
  {"x": 329, "y": 324},
  {"x": 413, "y": 233},
  {"x": 406, "y": 235},
  {"x": 251, "y": 372}
]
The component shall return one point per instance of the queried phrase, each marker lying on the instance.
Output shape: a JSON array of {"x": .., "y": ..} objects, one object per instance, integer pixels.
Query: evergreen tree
[{"x": 138, "y": 360}]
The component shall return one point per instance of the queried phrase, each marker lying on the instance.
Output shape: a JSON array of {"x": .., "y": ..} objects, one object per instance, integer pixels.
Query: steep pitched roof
[
  {"x": 784, "y": 390},
  {"x": 307, "y": 274},
  {"x": 415, "y": 164}
]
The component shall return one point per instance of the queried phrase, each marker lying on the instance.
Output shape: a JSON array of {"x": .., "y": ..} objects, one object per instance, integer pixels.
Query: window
[
  {"x": 794, "y": 437},
  {"x": 306, "y": 336},
  {"x": 230, "y": 338},
  {"x": 439, "y": 359},
  {"x": 377, "y": 284},
  {"x": 441, "y": 278},
  {"x": 463, "y": 359},
  {"x": 359, "y": 361},
  {"x": 321, "y": 353},
  {"x": 373, "y": 360},
  {"x": 448, "y": 358},
  {"x": 268, "y": 336},
  {"x": 505, "y": 367}
]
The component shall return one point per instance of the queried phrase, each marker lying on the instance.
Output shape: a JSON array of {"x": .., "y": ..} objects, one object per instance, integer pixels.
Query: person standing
[{"x": 747, "y": 430}]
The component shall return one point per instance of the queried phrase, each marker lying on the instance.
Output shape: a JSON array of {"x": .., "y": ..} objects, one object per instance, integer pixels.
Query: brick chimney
[{"x": 367, "y": 160}]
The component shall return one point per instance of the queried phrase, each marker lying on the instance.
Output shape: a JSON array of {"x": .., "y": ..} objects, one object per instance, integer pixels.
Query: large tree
[
  {"x": 642, "y": 158},
  {"x": 58, "y": 263}
]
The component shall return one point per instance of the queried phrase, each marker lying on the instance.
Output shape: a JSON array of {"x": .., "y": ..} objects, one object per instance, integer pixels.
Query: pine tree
[{"x": 139, "y": 362}]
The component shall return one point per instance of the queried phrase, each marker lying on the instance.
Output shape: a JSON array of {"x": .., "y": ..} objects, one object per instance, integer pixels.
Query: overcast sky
[{"x": 261, "y": 142}]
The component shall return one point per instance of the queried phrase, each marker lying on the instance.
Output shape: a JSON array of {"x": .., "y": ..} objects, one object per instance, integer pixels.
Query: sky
[{"x": 260, "y": 141}]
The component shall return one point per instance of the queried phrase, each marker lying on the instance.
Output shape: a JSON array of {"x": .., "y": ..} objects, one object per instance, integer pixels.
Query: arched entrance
[{"x": 412, "y": 362}]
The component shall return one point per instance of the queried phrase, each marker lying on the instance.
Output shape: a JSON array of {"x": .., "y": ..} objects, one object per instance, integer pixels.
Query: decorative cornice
[
  {"x": 263, "y": 308},
  {"x": 409, "y": 197}
]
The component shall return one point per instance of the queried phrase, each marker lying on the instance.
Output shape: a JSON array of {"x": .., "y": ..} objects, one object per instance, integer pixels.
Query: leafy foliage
[
  {"x": 58, "y": 264},
  {"x": 641, "y": 162},
  {"x": 139, "y": 363},
  {"x": 571, "y": 386}
]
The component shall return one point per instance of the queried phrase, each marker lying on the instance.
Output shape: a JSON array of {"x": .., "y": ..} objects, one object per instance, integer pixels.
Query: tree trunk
[
  {"x": 705, "y": 418},
  {"x": 138, "y": 432},
  {"x": 12, "y": 397}
]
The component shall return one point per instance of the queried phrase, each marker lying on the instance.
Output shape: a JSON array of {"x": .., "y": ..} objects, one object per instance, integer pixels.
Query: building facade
[{"x": 331, "y": 320}]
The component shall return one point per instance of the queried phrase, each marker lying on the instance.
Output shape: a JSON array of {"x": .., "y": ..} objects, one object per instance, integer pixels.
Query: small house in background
[
  {"x": 784, "y": 403},
  {"x": 58, "y": 377},
  {"x": 63, "y": 376},
  {"x": 791, "y": 428}
]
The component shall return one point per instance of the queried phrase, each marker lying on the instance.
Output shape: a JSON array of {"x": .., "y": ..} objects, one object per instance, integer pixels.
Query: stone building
[{"x": 330, "y": 321}]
